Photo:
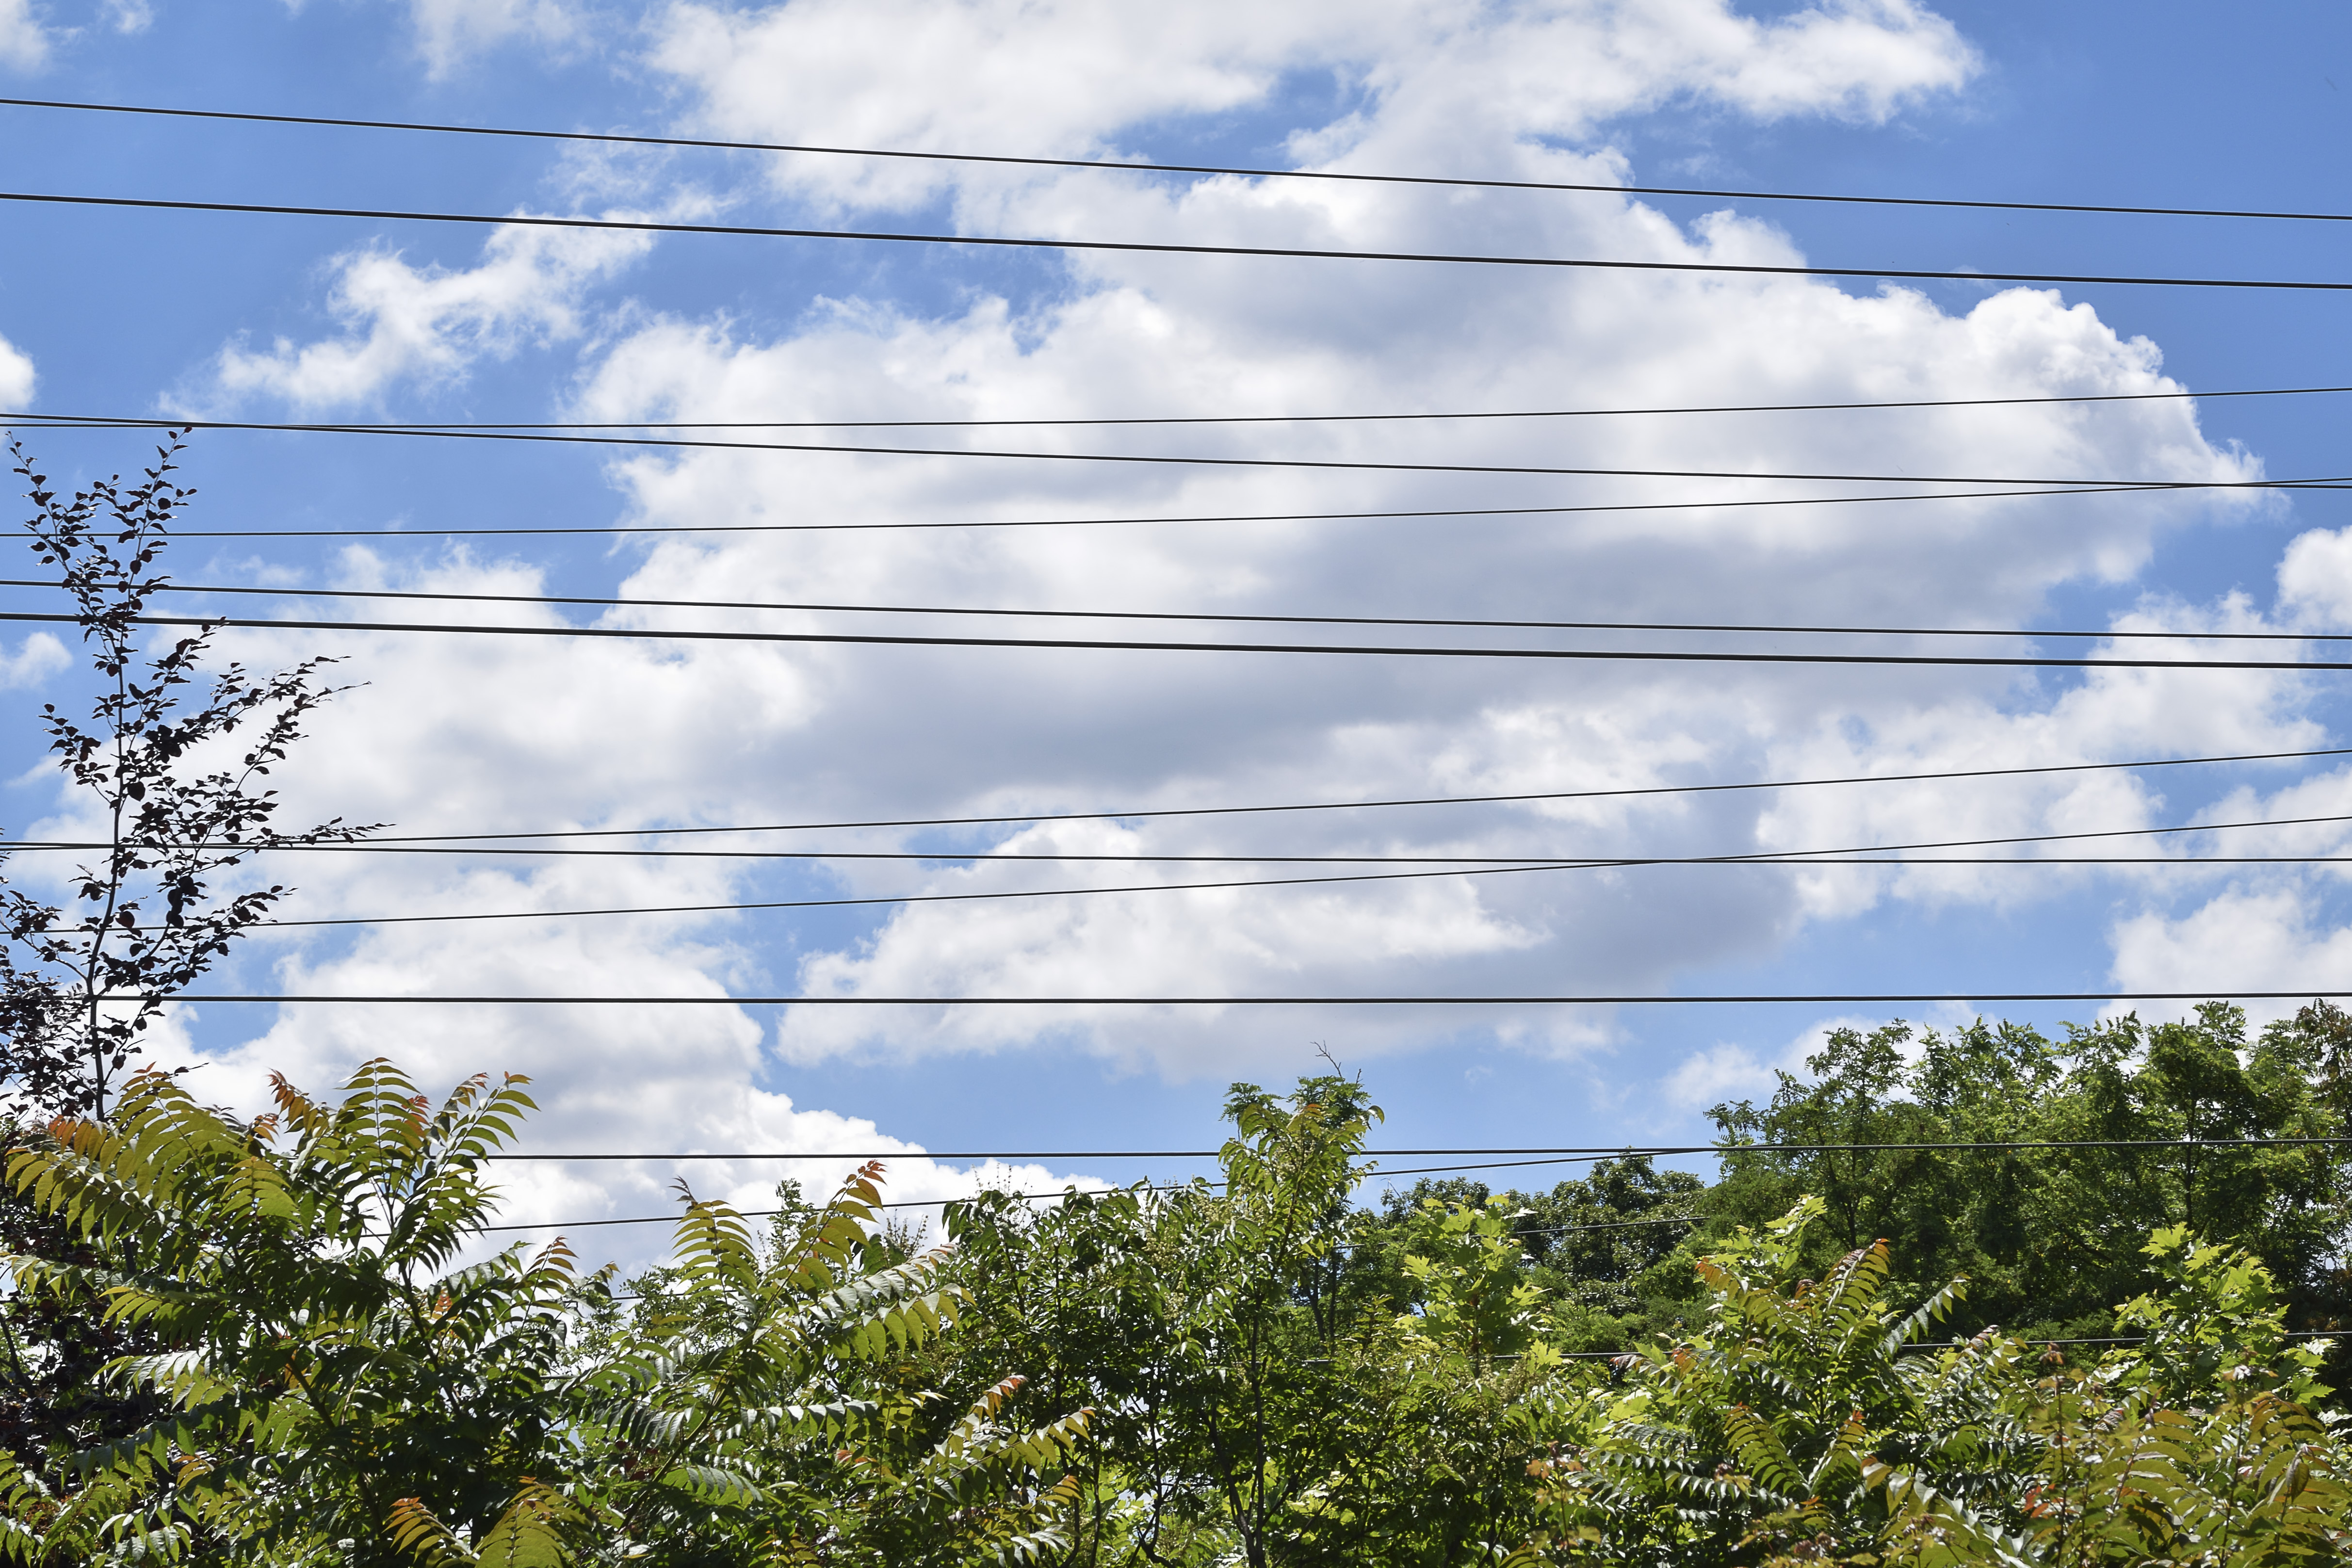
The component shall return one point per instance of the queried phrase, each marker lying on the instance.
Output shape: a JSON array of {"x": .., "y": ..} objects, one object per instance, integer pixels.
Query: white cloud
[
  {"x": 622, "y": 735},
  {"x": 128, "y": 18},
  {"x": 17, "y": 377},
  {"x": 2274, "y": 939},
  {"x": 24, "y": 44},
  {"x": 864, "y": 733},
  {"x": 1443, "y": 81},
  {"x": 1729, "y": 1072},
  {"x": 429, "y": 324},
  {"x": 1108, "y": 732},
  {"x": 2315, "y": 579},
  {"x": 39, "y": 656},
  {"x": 451, "y": 33}
]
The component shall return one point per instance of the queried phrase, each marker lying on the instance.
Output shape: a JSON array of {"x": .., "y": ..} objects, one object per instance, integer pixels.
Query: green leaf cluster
[{"x": 340, "y": 1386}]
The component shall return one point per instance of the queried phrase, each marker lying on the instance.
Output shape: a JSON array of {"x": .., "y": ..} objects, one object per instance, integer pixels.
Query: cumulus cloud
[
  {"x": 2278, "y": 938},
  {"x": 24, "y": 42},
  {"x": 621, "y": 735},
  {"x": 428, "y": 324},
  {"x": 1143, "y": 731},
  {"x": 1064, "y": 78}
]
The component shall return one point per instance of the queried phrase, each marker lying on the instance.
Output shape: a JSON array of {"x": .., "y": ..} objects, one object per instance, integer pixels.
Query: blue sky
[{"x": 278, "y": 318}]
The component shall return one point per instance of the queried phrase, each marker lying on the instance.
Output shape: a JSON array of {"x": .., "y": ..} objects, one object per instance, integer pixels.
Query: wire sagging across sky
[
  {"x": 1745, "y": 628},
  {"x": 1105, "y": 644},
  {"x": 362, "y": 427},
  {"x": 1193, "y": 460},
  {"x": 1971, "y": 278},
  {"x": 1129, "y": 166}
]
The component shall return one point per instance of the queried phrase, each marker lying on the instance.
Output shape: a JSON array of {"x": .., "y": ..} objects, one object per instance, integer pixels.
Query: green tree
[
  {"x": 2048, "y": 1236},
  {"x": 81, "y": 983},
  {"x": 339, "y": 1386},
  {"x": 174, "y": 767},
  {"x": 1749, "y": 1439}
]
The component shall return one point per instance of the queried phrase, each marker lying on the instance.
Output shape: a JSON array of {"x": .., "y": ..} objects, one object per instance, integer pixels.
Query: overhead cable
[
  {"x": 1627, "y": 791},
  {"x": 633, "y": 529},
  {"x": 1055, "y": 856},
  {"x": 834, "y": 608},
  {"x": 2209, "y": 993},
  {"x": 1762, "y": 857},
  {"x": 140, "y": 422},
  {"x": 1188, "y": 460},
  {"x": 881, "y": 900},
  {"x": 1578, "y": 1151},
  {"x": 1150, "y": 247},
  {"x": 1105, "y": 644},
  {"x": 1128, "y": 166},
  {"x": 1018, "y": 1196},
  {"x": 1566, "y": 1158}
]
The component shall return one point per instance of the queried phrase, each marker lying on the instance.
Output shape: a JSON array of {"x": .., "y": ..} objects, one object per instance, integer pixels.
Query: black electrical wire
[
  {"x": 2208, "y": 993},
  {"x": 1107, "y": 165},
  {"x": 1192, "y": 461},
  {"x": 698, "y": 528},
  {"x": 1372, "y": 805},
  {"x": 938, "y": 1202},
  {"x": 1148, "y": 247},
  {"x": 1796, "y": 858},
  {"x": 128, "y": 422},
  {"x": 831, "y": 608},
  {"x": 1615, "y": 1225},
  {"x": 1105, "y": 644},
  {"x": 1267, "y": 881},
  {"x": 1799, "y": 857},
  {"x": 1195, "y": 461},
  {"x": 1553, "y": 1153},
  {"x": 1565, "y": 1159}
]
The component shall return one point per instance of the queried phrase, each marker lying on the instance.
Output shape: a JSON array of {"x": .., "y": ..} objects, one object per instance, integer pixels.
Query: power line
[
  {"x": 825, "y": 607},
  {"x": 1553, "y": 1153},
  {"x": 1117, "y": 166},
  {"x": 880, "y": 900},
  {"x": 128, "y": 422},
  {"x": 1147, "y": 247},
  {"x": 1502, "y": 862},
  {"x": 1105, "y": 644},
  {"x": 1615, "y": 1225},
  {"x": 2209, "y": 993},
  {"x": 1566, "y": 1158},
  {"x": 940, "y": 1202},
  {"x": 1762, "y": 857},
  {"x": 1370, "y": 805},
  {"x": 1319, "y": 463},
  {"x": 1423, "y": 512}
]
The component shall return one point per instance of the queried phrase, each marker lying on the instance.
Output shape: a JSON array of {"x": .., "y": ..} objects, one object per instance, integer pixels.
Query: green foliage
[
  {"x": 335, "y": 1368},
  {"x": 1752, "y": 1436},
  {"x": 171, "y": 762},
  {"x": 756, "y": 1407},
  {"x": 1794, "y": 1429},
  {"x": 339, "y": 1386},
  {"x": 1608, "y": 1250},
  {"x": 322, "y": 1360},
  {"x": 146, "y": 921},
  {"x": 2050, "y": 1238},
  {"x": 1475, "y": 1299}
]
